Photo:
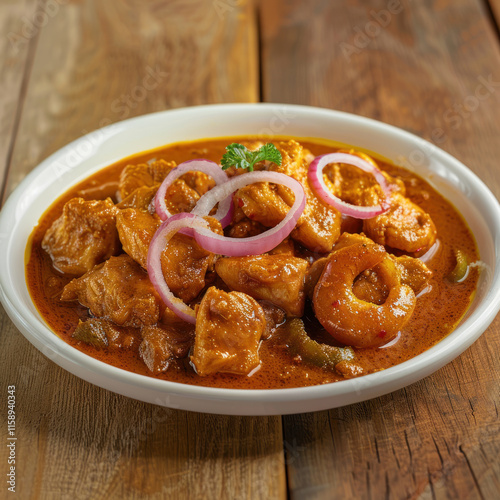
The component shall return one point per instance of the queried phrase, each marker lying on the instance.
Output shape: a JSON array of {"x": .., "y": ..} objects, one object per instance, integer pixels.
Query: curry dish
[{"x": 296, "y": 263}]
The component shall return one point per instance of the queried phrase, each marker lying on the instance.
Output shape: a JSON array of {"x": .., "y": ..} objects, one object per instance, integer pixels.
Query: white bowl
[{"x": 98, "y": 149}]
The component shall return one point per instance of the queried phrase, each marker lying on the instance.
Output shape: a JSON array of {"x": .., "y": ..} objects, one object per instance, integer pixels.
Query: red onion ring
[
  {"x": 253, "y": 245},
  {"x": 194, "y": 225},
  {"x": 225, "y": 210},
  {"x": 315, "y": 176},
  {"x": 162, "y": 236}
]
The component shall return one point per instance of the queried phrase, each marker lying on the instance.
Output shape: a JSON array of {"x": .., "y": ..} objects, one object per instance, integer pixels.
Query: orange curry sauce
[{"x": 437, "y": 312}]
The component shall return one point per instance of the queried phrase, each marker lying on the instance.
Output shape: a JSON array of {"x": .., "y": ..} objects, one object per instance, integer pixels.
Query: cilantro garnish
[{"x": 239, "y": 156}]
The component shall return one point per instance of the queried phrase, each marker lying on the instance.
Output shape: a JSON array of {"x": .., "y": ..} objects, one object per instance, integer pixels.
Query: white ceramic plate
[{"x": 98, "y": 149}]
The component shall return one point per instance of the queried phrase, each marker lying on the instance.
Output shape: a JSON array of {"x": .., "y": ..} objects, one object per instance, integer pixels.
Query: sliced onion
[
  {"x": 315, "y": 176},
  {"x": 225, "y": 210},
  {"x": 254, "y": 245},
  {"x": 194, "y": 225},
  {"x": 162, "y": 236}
]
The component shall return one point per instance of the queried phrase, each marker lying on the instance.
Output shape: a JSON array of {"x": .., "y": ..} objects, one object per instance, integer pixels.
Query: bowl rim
[{"x": 386, "y": 381}]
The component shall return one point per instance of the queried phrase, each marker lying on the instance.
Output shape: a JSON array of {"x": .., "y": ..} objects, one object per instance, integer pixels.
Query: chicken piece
[
  {"x": 185, "y": 263},
  {"x": 405, "y": 226},
  {"x": 245, "y": 228},
  {"x": 136, "y": 230},
  {"x": 275, "y": 317},
  {"x": 261, "y": 202},
  {"x": 286, "y": 247},
  {"x": 118, "y": 290},
  {"x": 160, "y": 345},
  {"x": 140, "y": 199},
  {"x": 102, "y": 333},
  {"x": 371, "y": 286},
  {"x": 318, "y": 228},
  {"x": 198, "y": 181},
  {"x": 276, "y": 278},
  {"x": 229, "y": 327},
  {"x": 414, "y": 272},
  {"x": 313, "y": 275},
  {"x": 180, "y": 197},
  {"x": 83, "y": 236},
  {"x": 97, "y": 190},
  {"x": 355, "y": 186},
  {"x": 348, "y": 239},
  {"x": 144, "y": 174},
  {"x": 319, "y": 225}
]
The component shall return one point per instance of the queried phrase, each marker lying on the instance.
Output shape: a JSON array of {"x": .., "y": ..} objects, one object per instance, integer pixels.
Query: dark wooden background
[{"x": 68, "y": 67}]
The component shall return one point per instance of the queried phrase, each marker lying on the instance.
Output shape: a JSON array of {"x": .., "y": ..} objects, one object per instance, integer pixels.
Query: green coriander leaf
[
  {"x": 239, "y": 156},
  {"x": 268, "y": 152}
]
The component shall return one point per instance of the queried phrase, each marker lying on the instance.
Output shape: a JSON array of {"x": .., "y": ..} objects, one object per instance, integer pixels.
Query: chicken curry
[{"x": 295, "y": 263}]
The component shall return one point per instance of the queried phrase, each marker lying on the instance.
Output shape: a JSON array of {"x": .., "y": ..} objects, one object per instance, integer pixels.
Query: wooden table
[{"x": 68, "y": 67}]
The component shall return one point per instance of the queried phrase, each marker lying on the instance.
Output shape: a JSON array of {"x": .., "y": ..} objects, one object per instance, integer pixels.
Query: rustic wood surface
[
  {"x": 430, "y": 67},
  {"x": 419, "y": 67}
]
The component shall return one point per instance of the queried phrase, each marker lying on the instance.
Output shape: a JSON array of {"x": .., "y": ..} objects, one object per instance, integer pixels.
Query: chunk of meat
[
  {"x": 140, "y": 199},
  {"x": 313, "y": 274},
  {"x": 355, "y": 186},
  {"x": 136, "y": 230},
  {"x": 160, "y": 345},
  {"x": 180, "y": 197},
  {"x": 118, "y": 290},
  {"x": 245, "y": 228},
  {"x": 261, "y": 202},
  {"x": 144, "y": 174},
  {"x": 229, "y": 327},
  {"x": 276, "y": 278},
  {"x": 275, "y": 317},
  {"x": 319, "y": 225},
  {"x": 405, "y": 226},
  {"x": 414, "y": 272},
  {"x": 198, "y": 181},
  {"x": 371, "y": 285},
  {"x": 102, "y": 333},
  {"x": 83, "y": 236},
  {"x": 185, "y": 263},
  {"x": 286, "y": 247}
]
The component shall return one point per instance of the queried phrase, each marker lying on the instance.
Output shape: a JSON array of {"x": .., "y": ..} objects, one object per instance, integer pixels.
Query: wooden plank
[
  {"x": 431, "y": 67},
  {"x": 96, "y": 63},
  {"x": 493, "y": 8},
  {"x": 16, "y": 56}
]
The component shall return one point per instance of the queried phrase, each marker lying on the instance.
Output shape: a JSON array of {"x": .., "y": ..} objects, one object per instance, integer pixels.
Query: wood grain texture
[
  {"x": 101, "y": 62},
  {"x": 493, "y": 6},
  {"x": 431, "y": 67},
  {"x": 17, "y": 45},
  {"x": 96, "y": 63}
]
